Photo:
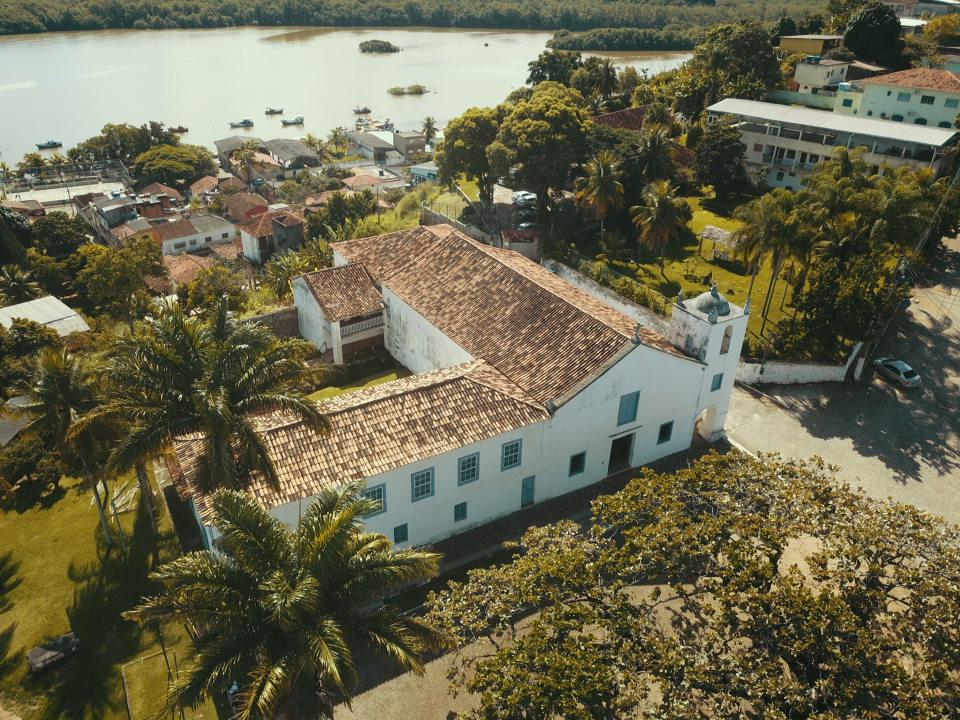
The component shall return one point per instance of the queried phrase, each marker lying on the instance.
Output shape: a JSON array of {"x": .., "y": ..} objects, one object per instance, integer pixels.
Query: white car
[
  {"x": 522, "y": 198},
  {"x": 897, "y": 371}
]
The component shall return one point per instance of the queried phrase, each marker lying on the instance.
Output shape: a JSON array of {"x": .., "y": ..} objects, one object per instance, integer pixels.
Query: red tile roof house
[
  {"x": 271, "y": 233},
  {"x": 204, "y": 187},
  {"x": 632, "y": 119},
  {"x": 243, "y": 206},
  {"x": 525, "y": 386},
  {"x": 194, "y": 233},
  {"x": 159, "y": 189}
]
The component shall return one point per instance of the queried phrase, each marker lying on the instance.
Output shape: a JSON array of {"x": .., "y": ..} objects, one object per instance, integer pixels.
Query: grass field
[
  {"x": 59, "y": 576},
  {"x": 369, "y": 381}
]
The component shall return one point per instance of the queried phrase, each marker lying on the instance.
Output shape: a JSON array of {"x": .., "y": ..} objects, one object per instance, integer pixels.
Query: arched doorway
[{"x": 703, "y": 427}]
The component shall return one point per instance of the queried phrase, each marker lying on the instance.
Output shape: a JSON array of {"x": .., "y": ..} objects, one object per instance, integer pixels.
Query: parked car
[
  {"x": 522, "y": 199},
  {"x": 897, "y": 371},
  {"x": 527, "y": 214},
  {"x": 527, "y": 226}
]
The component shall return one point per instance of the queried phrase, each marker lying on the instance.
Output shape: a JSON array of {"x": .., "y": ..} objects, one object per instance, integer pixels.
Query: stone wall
[{"x": 283, "y": 322}]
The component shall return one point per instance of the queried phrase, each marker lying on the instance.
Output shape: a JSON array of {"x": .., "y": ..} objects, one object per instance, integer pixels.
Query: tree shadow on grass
[
  {"x": 9, "y": 579},
  {"x": 33, "y": 494},
  {"x": 86, "y": 684}
]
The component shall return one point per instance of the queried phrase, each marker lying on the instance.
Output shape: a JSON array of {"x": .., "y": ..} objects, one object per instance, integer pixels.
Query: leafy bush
[{"x": 378, "y": 46}]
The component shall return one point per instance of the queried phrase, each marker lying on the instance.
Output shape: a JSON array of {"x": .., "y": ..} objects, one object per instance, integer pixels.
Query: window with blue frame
[
  {"x": 378, "y": 494},
  {"x": 847, "y": 102},
  {"x": 903, "y": 97},
  {"x": 421, "y": 484},
  {"x": 511, "y": 454},
  {"x": 468, "y": 469},
  {"x": 460, "y": 512},
  {"x": 717, "y": 382},
  {"x": 629, "y": 404},
  {"x": 951, "y": 103},
  {"x": 400, "y": 534}
]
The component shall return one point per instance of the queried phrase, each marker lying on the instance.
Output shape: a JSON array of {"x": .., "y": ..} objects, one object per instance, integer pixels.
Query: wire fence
[{"x": 63, "y": 175}]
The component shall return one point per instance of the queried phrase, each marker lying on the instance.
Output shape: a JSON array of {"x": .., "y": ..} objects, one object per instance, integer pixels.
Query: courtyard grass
[
  {"x": 368, "y": 381},
  {"x": 61, "y": 577}
]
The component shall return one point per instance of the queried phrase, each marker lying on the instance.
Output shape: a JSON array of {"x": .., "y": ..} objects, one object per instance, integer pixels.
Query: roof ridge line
[{"x": 526, "y": 398}]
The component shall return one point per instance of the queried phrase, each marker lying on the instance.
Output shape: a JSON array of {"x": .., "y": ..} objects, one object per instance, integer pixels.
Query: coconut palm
[
  {"x": 429, "y": 129},
  {"x": 338, "y": 139},
  {"x": 17, "y": 285},
  {"x": 208, "y": 374},
  {"x": 245, "y": 155},
  {"x": 61, "y": 389},
  {"x": 319, "y": 146},
  {"x": 283, "y": 611},
  {"x": 661, "y": 218},
  {"x": 605, "y": 77},
  {"x": 600, "y": 189},
  {"x": 655, "y": 155},
  {"x": 280, "y": 272}
]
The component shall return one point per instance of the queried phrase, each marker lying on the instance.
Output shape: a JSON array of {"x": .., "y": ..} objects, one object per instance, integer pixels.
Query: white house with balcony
[
  {"x": 919, "y": 96},
  {"x": 787, "y": 143},
  {"x": 524, "y": 387}
]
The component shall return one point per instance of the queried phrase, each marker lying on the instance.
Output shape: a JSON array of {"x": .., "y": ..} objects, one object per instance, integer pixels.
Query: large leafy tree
[
  {"x": 661, "y": 218},
  {"x": 736, "y": 588},
  {"x": 283, "y": 612},
  {"x": 720, "y": 156},
  {"x": 173, "y": 164},
  {"x": 874, "y": 33},
  {"x": 213, "y": 284},
  {"x": 464, "y": 149},
  {"x": 122, "y": 142},
  {"x": 112, "y": 279},
  {"x": 553, "y": 66},
  {"x": 58, "y": 234},
  {"x": 600, "y": 189},
  {"x": 210, "y": 374}
]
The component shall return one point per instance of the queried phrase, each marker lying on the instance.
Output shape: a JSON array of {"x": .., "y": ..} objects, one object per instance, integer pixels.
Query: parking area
[{"x": 904, "y": 444}]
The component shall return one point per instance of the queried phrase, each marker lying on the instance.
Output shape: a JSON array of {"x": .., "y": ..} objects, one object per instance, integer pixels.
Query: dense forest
[
  {"x": 678, "y": 17},
  {"x": 628, "y": 38}
]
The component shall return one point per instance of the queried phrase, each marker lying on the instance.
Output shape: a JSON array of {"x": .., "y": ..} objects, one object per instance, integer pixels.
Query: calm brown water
[{"x": 68, "y": 85}]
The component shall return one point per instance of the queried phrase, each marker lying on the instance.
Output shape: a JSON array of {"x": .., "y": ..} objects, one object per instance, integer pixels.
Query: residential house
[
  {"x": 227, "y": 181},
  {"x": 788, "y": 142},
  {"x": 628, "y": 119},
  {"x": 292, "y": 155},
  {"x": 313, "y": 203},
  {"x": 271, "y": 233},
  {"x": 859, "y": 70},
  {"x": 242, "y": 206},
  {"x": 260, "y": 167},
  {"x": 814, "y": 74},
  {"x": 920, "y": 96},
  {"x": 810, "y": 44},
  {"x": 227, "y": 146},
  {"x": 160, "y": 190},
  {"x": 153, "y": 206},
  {"x": 922, "y": 8},
  {"x": 424, "y": 172},
  {"x": 137, "y": 229},
  {"x": 105, "y": 213},
  {"x": 203, "y": 188},
  {"x": 47, "y": 311},
  {"x": 373, "y": 147},
  {"x": 29, "y": 209},
  {"x": 525, "y": 388},
  {"x": 193, "y": 233},
  {"x": 409, "y": 142}
]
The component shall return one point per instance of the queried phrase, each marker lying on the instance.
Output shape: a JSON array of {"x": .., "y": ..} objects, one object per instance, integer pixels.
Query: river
[{"x": 66, "y": 86}]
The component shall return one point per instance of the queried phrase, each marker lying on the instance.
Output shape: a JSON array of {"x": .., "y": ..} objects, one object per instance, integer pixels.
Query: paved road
[{"x": 903, "y": 444}]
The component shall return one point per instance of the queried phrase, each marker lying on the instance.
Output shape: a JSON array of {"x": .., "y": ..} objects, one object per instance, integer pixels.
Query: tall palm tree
[
  {"x": 338, "y": 139},
  {"x": 17, "y": 285},
  {"x": 319, "y": 146},
  {"x": 245, "y": 155},
  {"x": 655, "y": 155},
  {"x": 429, "y": 129},
  {"x": 600, "y": 189},
  {"x": 280, "y": 272},
  {"x": 605, "y": 77},
  {"x": 61, "y": 389},
  {"x": 209, "y": 374},
  {"x": 661, "y": 218},
  {"x": 282, "y": 612}
]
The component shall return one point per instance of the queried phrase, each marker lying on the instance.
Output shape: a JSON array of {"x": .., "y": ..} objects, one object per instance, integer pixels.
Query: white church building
[{"x": 524, "y": 387}]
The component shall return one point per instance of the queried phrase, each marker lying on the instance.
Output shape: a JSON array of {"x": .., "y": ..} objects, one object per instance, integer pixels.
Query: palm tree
[
  {"x": 429, "y": 129},
  {"x": 661, "y": 218},
  {"x": 605, "y": 77},
  {"x": 208, "y": 374},
  {"x": 284, "y": 611},
  {"x": 280, "y": 272},
  {"x": 17, "y": 286},
  {"x": 338, "y": 139},
  {"x": 319, "y": 147},
  {"x": 655, "y": 155},
  {"x": 245, "y": 155},
  {"x": 600, "y": 189},
  {"x": 61, "y": 389}
]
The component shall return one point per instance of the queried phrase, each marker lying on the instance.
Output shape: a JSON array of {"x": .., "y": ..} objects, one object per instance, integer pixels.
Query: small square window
[
  {"x": 903, "y": 97},
  {"x": 847, "y": 102},
  {"x": 378, "y": 494},
  {"x": 951, "y": 103},
  {"x": 225, "y": 235},
  {"x": 758, "y": 147},
  {"x": 468, "y": 469},
  {"x": 666, "y": 432},
  {"x": 926, "y": 99},
  {"x": 716, "y": 382},
  {"x": 460, "y": 512},
  {"x": 179, "y": 246},
  {"x": 511, "y": 455},
  {"x": 779, "y": 176},
  {"x": 421, "y": 484},
  {"x": 400, "y": 534},
  {"x": 629, "y": 404},
  {"x": 813, "y": 159},
  {"x": 578, "y": 463}
]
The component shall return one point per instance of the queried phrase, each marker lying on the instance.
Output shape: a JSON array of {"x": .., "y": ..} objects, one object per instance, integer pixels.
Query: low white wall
[{"x": 789, "y": 373}]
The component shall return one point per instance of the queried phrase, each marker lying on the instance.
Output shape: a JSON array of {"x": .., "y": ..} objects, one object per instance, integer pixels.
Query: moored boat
[
  {"x": 179, "y": 129},
  {"x": 274, "y": 111},
  {"x": 49, "y": 145},
  {"x": 361, "y": 110},
  {"x": 298, "y": 120},
  {"x": 246, "y": 122}
]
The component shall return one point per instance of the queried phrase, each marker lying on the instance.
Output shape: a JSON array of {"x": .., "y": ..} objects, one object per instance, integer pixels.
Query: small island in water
[
  {"x": 378, "y": 46},
  {"x": 409, "y": 90}
]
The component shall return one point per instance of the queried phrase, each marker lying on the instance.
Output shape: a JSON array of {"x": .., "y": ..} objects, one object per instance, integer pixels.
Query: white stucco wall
[
  {"x": 199, "y": 240},
  {"x": 313, "y": 325},
  {"x": 789, "y": 373},
  {"x": 413, "y": 341}
]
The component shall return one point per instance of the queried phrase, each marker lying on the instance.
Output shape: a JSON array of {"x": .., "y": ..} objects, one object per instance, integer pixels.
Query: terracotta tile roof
[
  {"x": 376, "y": 430},
  {"x": 161, "y": 189},
  {"x": 543, "y": 333},
  {"x": 324, "y": 197},
  {"x": 231, "y": 250},
  {"x": 344, "y": 292},
  {"x": 921, "y": 78},
  {"x": 262, "y": 225},
  {"x": 629, "y": 119},
  {"x": 124, "y": 231},
  {"x": 174, "y": 230},
  {"x": 358, "y": 182},
  {"x": 241, "y": 203},
  {"x": 184, "y": 268},
  {"x": 208, "y": 183}
]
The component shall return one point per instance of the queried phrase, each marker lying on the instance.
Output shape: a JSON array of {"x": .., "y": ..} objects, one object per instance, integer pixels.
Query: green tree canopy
[
  {"x": 464, "y": 149},
  {"x": 181, "y": 164},
  {"x": 122, "y": 142},
  {"x": 719, "y": 158},
  {"x": 553, "y": 66},
  {"x": 213, "y": 283},
  {"x": 736, "y": 588},
  {"x": 112, "y": 280},
  {"x": 874, "y": 34},
  {"x": 58, "y": 234}
]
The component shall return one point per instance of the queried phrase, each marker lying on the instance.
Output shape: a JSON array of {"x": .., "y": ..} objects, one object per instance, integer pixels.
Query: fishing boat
[
  {"x": 298, "y": 120},
  {"x": 274, "y": 111},
  {"x": 49, "y": 145},
  {"x": 246, "y": 122},
  {"x": 361, "y": 110},
  {"x": 179, "y": 129}
]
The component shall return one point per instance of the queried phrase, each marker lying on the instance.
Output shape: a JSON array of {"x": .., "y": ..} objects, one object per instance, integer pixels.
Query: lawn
[
  {"x": 58, "y": 575},
  {"x": 369, "y": 381}
]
